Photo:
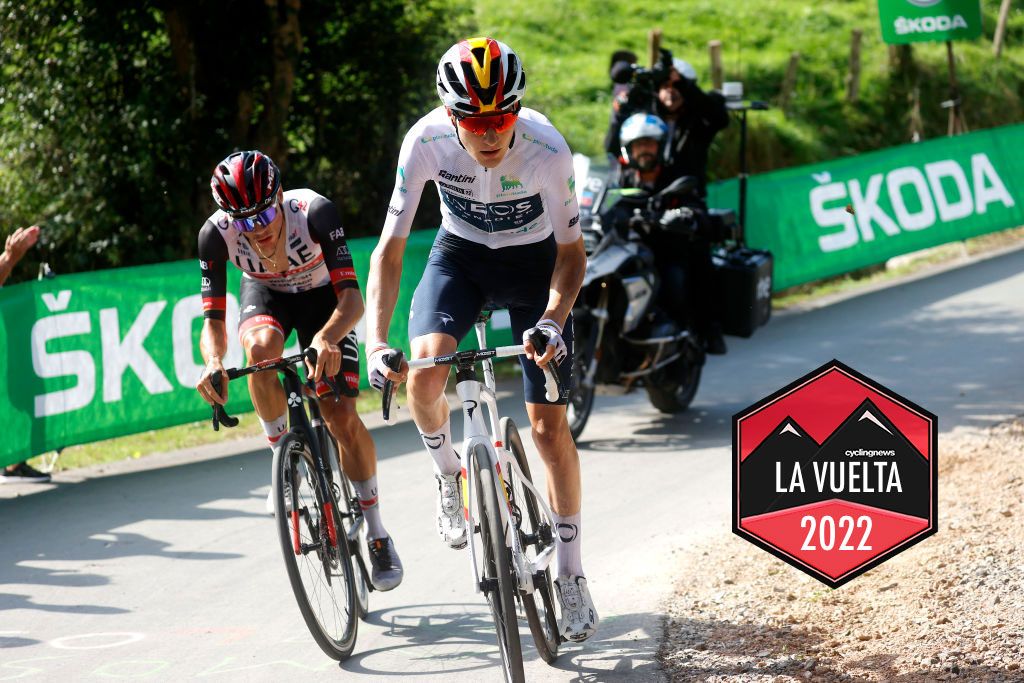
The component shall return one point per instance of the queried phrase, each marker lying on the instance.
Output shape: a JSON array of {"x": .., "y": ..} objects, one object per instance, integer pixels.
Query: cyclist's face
[
  {"x": 488, "y": 149},
  {"x": 267, "y": 236}
]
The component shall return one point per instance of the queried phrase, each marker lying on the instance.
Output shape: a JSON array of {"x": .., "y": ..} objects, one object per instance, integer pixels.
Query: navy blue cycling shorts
[{"x": 463, "y": 278}]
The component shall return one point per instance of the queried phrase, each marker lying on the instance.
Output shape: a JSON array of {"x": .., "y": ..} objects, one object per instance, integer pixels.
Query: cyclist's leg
[
  {"x": 262, "y": 328},
  {"x": 550, "y": 430},
  {"x": 444, "y": 308}
]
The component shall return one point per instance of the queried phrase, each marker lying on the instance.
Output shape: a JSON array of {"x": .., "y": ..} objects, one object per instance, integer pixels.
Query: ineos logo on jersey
[{"x": 495, "y": 217}]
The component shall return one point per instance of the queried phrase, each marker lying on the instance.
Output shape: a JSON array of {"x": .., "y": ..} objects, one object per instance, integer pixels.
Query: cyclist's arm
[
  {"x": 326, "y": 230},
  {"x": 213, "y": 340},
  {"x": 571, "y": 261},
  {"x": 382, "y": 289},
  {"x": 386, "y": 262}
]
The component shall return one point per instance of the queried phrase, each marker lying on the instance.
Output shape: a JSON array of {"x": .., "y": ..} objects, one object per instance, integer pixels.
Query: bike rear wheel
[
  {"x": 581, "y": 397},
  {"x": 319, "y": 569},
  {"x": 499, "y": 582},
  {"x": 535, "y": 536}
]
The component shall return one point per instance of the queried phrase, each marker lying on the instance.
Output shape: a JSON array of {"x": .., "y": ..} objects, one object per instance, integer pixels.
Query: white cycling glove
[
  {"x": 552, "y": 332},
  {"x": 377, "y": 367}
]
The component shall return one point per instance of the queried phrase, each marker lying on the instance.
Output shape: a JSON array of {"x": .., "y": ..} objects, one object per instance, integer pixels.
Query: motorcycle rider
[
  {"x": 682, "y": 244},
  {"x": 690, "y": 119}
]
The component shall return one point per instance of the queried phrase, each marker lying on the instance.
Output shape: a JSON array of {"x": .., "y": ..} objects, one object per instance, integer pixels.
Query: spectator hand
[
  {"x": 378, "y": 371},
  {"x": 20, "y": 241},
  {"x": 556, "y": 349}
]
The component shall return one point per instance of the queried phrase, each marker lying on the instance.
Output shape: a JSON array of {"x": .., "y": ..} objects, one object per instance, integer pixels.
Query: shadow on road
[
  {"x": 91, "y": 517},
  {"x": 446, "y": 639}
]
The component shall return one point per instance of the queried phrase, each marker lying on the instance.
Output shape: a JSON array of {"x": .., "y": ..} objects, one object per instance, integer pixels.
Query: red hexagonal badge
[{"x": 834, "y": 473}]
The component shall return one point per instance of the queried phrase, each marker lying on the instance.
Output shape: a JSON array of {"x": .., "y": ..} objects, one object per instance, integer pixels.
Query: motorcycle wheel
[
  {"x": 672, "y": 389},
  {"x": 581, "y": 399}
]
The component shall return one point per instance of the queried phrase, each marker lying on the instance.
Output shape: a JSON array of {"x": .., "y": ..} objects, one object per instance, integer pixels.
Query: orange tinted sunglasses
[{"x": 479, "y": 125}]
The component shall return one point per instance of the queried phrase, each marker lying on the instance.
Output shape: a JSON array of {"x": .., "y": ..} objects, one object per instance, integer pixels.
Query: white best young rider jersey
[{"x": 528, "y": 196}]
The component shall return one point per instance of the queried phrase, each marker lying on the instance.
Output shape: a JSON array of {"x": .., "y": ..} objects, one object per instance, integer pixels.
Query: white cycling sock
[
  {"x": 275, "y": 428},
  {"x": 369, "y": 501},
  {"x": 439, "y": 445},
  {"x": 567, "y": 544}
]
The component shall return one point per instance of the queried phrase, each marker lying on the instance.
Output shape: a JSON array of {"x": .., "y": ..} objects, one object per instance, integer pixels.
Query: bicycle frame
[{"x": 475, "y": 394}]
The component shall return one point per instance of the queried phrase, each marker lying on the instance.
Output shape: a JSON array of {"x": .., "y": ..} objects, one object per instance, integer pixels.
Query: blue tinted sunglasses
[{"x": 258, "y": 220}]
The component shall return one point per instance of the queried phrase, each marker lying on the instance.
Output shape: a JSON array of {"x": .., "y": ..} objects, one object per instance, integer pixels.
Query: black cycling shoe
[{"x": 385, "y": 568}]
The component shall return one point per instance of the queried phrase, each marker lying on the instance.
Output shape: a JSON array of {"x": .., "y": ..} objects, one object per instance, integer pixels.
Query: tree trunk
[{"x": 287, "y": 46}]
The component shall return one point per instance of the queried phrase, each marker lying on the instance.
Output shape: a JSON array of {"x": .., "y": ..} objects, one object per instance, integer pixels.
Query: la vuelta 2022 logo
[{"x": 835, "y": 473}]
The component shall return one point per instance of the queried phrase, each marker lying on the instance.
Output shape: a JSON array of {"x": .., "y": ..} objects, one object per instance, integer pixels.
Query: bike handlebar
[
  {"x": 220, "y": 415},
  {"x": 552, "y": 382}
]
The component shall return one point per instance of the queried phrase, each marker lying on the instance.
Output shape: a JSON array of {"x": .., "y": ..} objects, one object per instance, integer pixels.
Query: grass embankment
[{"x": 566, "y": 48}]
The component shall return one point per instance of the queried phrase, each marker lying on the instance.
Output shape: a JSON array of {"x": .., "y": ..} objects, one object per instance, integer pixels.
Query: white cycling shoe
[
  {"x": 578, "y": 619},
  {"x": 451, "y": 521}
]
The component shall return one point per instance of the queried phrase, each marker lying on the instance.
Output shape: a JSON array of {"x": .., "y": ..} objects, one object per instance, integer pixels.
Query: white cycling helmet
[
  {"x": 480, "y": 75},
  {"x": 640, "y": 126}
]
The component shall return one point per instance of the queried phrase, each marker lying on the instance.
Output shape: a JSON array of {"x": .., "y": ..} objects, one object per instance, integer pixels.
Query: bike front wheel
[
  {"x": 319, "y": 566},
  {"x": 535, "y": 536},
  {"x": 351, "y": 516},
  {"x": 499, "y": 581}
]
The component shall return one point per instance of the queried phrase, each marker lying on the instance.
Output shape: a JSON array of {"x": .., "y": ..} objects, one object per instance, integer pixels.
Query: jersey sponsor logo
[
  {"x": 532, "y": 140},
  {"x": 297, "y": 205},
  {"x": 401, "y": 180},
  {"x": 495, "y": 217},
  {"x": 455, "y": 177},
  {"x": 571, "y": 182},
  {"x": 338, "y": 234},
  {"x": 434, "y": 138},
  {"x": 456, "y": 188},
  {"x": 214, "y": 303},
  {"x": 342, "y": 251},
  {"x": 248, "y": 309},
  {"x": 510, "y": 182},
  {"x": 222, "y": 222},
  {"x": 339, "y": 274},
  {"x": 206, "y": 283},
  {"x": 395, "y": 212},
  {"x": 445, "y": 317},
  {"x": 204, "y": 265},
  {"x": 574, "y": 220},
  {"x": 433, "y": 442}
]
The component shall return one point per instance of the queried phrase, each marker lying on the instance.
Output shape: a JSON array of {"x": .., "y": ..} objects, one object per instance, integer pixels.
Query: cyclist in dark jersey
[
  {"x": 297, "y": 274},
  {"x": 509, "y": 238}
]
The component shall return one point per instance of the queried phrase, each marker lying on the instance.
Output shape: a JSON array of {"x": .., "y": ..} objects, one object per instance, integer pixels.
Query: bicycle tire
[
  {"x": 348, "y": 511},
  {"x": 327, "y": 568},
  {"x": 539, "y": 606},
  {"x": 497, "y": 566}
]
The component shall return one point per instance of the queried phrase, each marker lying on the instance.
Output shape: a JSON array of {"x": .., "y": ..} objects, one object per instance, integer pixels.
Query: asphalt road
[{"x": 167, "y": 568}]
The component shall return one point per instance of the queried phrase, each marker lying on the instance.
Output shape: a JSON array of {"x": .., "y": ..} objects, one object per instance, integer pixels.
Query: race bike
[{"x": 623, "y": 340}]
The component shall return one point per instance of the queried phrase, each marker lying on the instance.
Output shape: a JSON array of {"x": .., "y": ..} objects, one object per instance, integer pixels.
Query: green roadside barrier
[{"x": 838, "y": 216}]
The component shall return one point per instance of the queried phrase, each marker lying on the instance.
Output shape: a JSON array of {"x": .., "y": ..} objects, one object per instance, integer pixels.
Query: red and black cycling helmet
[{"x": 245, "y": 182}]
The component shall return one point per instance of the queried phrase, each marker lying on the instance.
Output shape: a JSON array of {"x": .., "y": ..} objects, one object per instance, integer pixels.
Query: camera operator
[
  {"x": 681, "y": 243},
  {"x": 693, "y": 116}
]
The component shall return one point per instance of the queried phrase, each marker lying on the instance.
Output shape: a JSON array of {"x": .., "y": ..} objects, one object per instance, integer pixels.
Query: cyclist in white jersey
[
  {"x": 509, "y": 238},
  {"x": 297, "y": 273}
]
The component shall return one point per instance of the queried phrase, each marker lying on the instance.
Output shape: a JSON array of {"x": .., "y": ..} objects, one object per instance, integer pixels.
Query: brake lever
[
  {"x": 395, "y": 363},
  {"x": 220, "y": 416},
  {"x": 552, "y": 382}
]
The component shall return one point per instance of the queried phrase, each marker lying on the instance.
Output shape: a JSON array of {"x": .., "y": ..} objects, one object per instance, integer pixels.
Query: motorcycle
[{"x": 623, "y": 339}]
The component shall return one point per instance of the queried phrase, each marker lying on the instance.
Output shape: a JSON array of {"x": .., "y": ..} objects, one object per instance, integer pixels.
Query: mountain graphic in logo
[{"x": 865, "y": 460}]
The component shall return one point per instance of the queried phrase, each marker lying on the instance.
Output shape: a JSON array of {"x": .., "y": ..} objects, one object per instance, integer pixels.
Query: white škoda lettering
[
  {"x": 67, "y": 363},
  {"x": 120, "y": 354}
]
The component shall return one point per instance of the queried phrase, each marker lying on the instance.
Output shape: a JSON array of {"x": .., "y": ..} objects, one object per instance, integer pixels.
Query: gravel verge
[{"x": 949, "y": 608}]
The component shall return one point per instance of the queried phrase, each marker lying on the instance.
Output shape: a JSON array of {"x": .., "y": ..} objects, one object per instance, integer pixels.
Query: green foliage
[{"x": 112, "y": 116}]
